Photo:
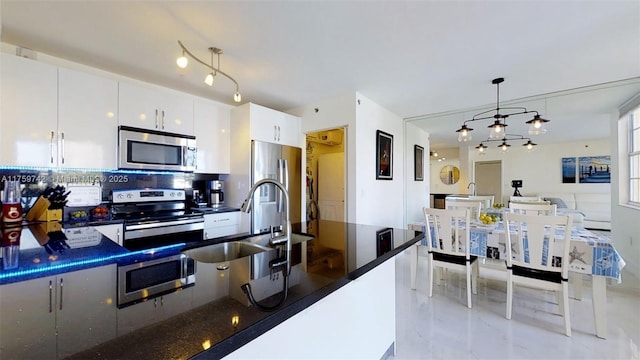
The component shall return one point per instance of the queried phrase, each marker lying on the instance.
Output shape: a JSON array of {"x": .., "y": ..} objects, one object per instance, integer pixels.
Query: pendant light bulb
[
  {"x": 237, "y": 97},
  {"x": 182, "y": 61},
  {"x": 209, "y": 79}
]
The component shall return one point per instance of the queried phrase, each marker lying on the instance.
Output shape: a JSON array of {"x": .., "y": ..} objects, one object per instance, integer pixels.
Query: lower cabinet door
[
  {"x": 27, "y": 319},
  {"x": 86, "y": 311}
]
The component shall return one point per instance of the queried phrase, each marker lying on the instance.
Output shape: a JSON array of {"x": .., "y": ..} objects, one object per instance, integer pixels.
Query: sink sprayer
[{"x": 281, "y": 240}]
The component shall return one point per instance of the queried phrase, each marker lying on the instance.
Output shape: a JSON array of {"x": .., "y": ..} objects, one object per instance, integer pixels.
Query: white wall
[
  {"x": 417, "y": 192},
  {"x": 378, "y": 202},
  {"x": 541, "y": 169}
]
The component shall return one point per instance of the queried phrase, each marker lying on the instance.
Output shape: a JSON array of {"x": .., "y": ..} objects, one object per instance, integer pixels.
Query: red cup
[{"x": 11, "y": 213}]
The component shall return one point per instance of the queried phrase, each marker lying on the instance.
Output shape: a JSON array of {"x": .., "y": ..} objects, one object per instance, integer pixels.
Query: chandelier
[
  {"x": 183, "y": 62},
  {"x": 498, "y": 128}
]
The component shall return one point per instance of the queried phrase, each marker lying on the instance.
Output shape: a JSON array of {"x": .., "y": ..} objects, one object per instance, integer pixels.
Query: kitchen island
[{"x": 343, "y": 306}]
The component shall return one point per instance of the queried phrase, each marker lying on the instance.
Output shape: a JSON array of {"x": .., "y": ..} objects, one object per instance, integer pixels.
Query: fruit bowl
[{"x": 488, "y": 219}]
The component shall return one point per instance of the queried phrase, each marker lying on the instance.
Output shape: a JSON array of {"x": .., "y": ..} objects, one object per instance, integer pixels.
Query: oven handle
[
  {"x": 164, "y": 224},
  {"x": 149, "y": 231}
]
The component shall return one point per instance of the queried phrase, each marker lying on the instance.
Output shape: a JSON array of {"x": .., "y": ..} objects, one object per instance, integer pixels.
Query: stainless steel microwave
[{"x": 142, "y": 149}]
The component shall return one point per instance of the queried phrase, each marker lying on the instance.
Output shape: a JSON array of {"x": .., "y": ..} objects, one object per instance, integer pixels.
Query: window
[{"x": 634, "y": 156}]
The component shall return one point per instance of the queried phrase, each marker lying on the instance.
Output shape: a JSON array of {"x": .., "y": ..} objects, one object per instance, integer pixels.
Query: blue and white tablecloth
[{"x": 589, "y": 253}]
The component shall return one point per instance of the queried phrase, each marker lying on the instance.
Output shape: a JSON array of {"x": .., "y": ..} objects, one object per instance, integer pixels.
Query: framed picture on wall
[
  {"x": 418, "y": 161},
  {"x": 568, "y": 170},
  {"x": 384, "y": 156},
  {"x": 594, "y": 169}
]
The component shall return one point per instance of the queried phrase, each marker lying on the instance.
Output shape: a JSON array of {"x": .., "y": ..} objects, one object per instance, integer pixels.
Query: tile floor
[{"x": 442, "y": 327}]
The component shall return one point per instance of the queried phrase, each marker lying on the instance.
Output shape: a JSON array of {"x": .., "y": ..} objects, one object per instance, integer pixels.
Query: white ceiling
[{"x": 415, "y": 58}]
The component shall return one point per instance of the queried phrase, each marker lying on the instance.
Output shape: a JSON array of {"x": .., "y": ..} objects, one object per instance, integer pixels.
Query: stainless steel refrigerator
[{"x": 282, "y": 163}]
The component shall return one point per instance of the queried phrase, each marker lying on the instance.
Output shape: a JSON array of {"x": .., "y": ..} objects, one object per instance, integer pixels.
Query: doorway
[
  {"x": 488, "y": 179},
  {"x": 326, "y": 180}
]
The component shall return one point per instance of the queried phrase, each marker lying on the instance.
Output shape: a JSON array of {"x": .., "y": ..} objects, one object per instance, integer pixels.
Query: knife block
[{"x": 40, "y": 211}]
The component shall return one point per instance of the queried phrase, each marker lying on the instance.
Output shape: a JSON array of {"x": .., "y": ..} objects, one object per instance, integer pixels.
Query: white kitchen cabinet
[
  {"x": 70, "y": 312},
  {"x": 211, "y": 124},
  {"x": 29, "y": 112},
  {"x": 153, "y": 310},
  {"x": 87, "y": 120},
  {"x": 221, "y": 224},
  {"x": 56, "y": 117},
  {"x": 155, "y": 108},
  {"x": 268, "y": 125},
  {"x": 211, "y": 283},
  {"x": 112, "y": 231}
]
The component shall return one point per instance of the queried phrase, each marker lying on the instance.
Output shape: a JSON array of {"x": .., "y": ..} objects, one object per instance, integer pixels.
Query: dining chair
[
  {"x": 474, "y": 206},
  {"x": 538, "y": 257},
  {"x": 448, "y": 238},
  {"x": 487, "y": 200},
  {"x": 535, "y": 208}
]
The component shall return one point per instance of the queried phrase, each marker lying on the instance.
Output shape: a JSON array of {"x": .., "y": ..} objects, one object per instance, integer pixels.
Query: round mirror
[{"x": 450, "y": 174}]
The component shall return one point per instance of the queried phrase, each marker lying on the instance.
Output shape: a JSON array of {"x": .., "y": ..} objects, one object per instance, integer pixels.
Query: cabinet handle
[
  {"x": 118, "y": 237},
  {"x": 156, "y": 118},
  {"x": 155, "y": 302},
  {"x": 162, "y": 119},
  {"x": 161, "y": 300},
  {"x": 278, "y": 132},
  {"x": 275, "y": 133},
  {"x": 61, "y": 289},
  {"x": 50, "y": 296},
  {"x": 62, "y": 144},
  {"x": 53, "y": 134}
]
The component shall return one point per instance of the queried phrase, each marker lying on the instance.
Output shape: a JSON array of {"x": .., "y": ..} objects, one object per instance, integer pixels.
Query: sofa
[{"x": 595, "y": 207}]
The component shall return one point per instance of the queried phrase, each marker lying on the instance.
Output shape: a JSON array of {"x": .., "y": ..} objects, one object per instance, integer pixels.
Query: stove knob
[
  {"x": 129, "y": 195},
  {"x": 172, "y": 194},
  {"x": 120, "y": 196},
  {"x": 179, "y": 194}
]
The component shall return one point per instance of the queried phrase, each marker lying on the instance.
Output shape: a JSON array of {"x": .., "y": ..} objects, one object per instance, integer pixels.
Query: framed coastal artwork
[
  {"x": 418, "y": 161},
  {"x": 594, "y": 169},
  {"x": 384, "y": 156},
  {"x": 568, "y": 170}
]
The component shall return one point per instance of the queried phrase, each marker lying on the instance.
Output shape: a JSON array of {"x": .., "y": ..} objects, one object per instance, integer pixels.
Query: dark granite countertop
[{"x": 339, "y": 253}]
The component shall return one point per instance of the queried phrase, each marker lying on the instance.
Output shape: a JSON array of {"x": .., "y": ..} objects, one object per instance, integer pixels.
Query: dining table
[{"x": 589, "y": 254}]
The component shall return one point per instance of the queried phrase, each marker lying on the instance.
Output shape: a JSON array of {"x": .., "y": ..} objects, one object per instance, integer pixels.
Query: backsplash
[{"x": 34, "y": 181}]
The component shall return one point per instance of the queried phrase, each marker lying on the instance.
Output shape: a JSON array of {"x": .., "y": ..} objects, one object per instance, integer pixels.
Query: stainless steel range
[{"x": 155, "y": 217}]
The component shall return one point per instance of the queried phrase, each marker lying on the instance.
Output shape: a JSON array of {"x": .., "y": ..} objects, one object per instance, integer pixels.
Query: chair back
[
  {"x": 533, "y": 208},
  {"x": 524, "y": 198},
  {"x": 487, "y": 200},
  {"x": 532, "y": 242},
  {"x": 447, "y": 231},
  {"x": 474, "y": 206}
]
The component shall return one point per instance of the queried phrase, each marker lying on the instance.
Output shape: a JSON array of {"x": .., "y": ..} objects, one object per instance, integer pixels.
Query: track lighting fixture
[
  {"x": 497, "y": 132},
  {"x": 183, "y": 62}
]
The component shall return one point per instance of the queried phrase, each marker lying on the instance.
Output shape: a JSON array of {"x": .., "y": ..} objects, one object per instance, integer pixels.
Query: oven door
[
  {"x": 155, "y": 150},
  {"x": 146, "y": 280}
]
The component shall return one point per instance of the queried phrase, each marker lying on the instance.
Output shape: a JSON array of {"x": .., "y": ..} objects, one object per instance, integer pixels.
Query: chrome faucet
[
  {"x": 282, "y": 240},
  {"x": 474, "y": 188}
]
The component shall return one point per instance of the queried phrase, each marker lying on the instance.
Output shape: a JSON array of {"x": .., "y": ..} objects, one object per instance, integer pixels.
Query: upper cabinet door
[
  {"x": 211, "y": 123},
  {"x": 274, "y": 126},
  {"x": 29, "y": 112},
  {"x": 87, "y": 120},
  {"x": 154, "y": 108}
]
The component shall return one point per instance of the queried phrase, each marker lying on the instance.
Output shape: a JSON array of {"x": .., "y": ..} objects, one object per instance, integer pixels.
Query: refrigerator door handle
[{"x": 283, "y": 177}]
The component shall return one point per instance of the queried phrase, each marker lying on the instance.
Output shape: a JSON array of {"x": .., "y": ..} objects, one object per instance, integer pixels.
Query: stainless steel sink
[{"x": 227, "y": 251}]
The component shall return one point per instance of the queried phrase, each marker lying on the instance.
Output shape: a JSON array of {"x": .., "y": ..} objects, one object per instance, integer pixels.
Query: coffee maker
[{"x": 215, "y": 193}]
